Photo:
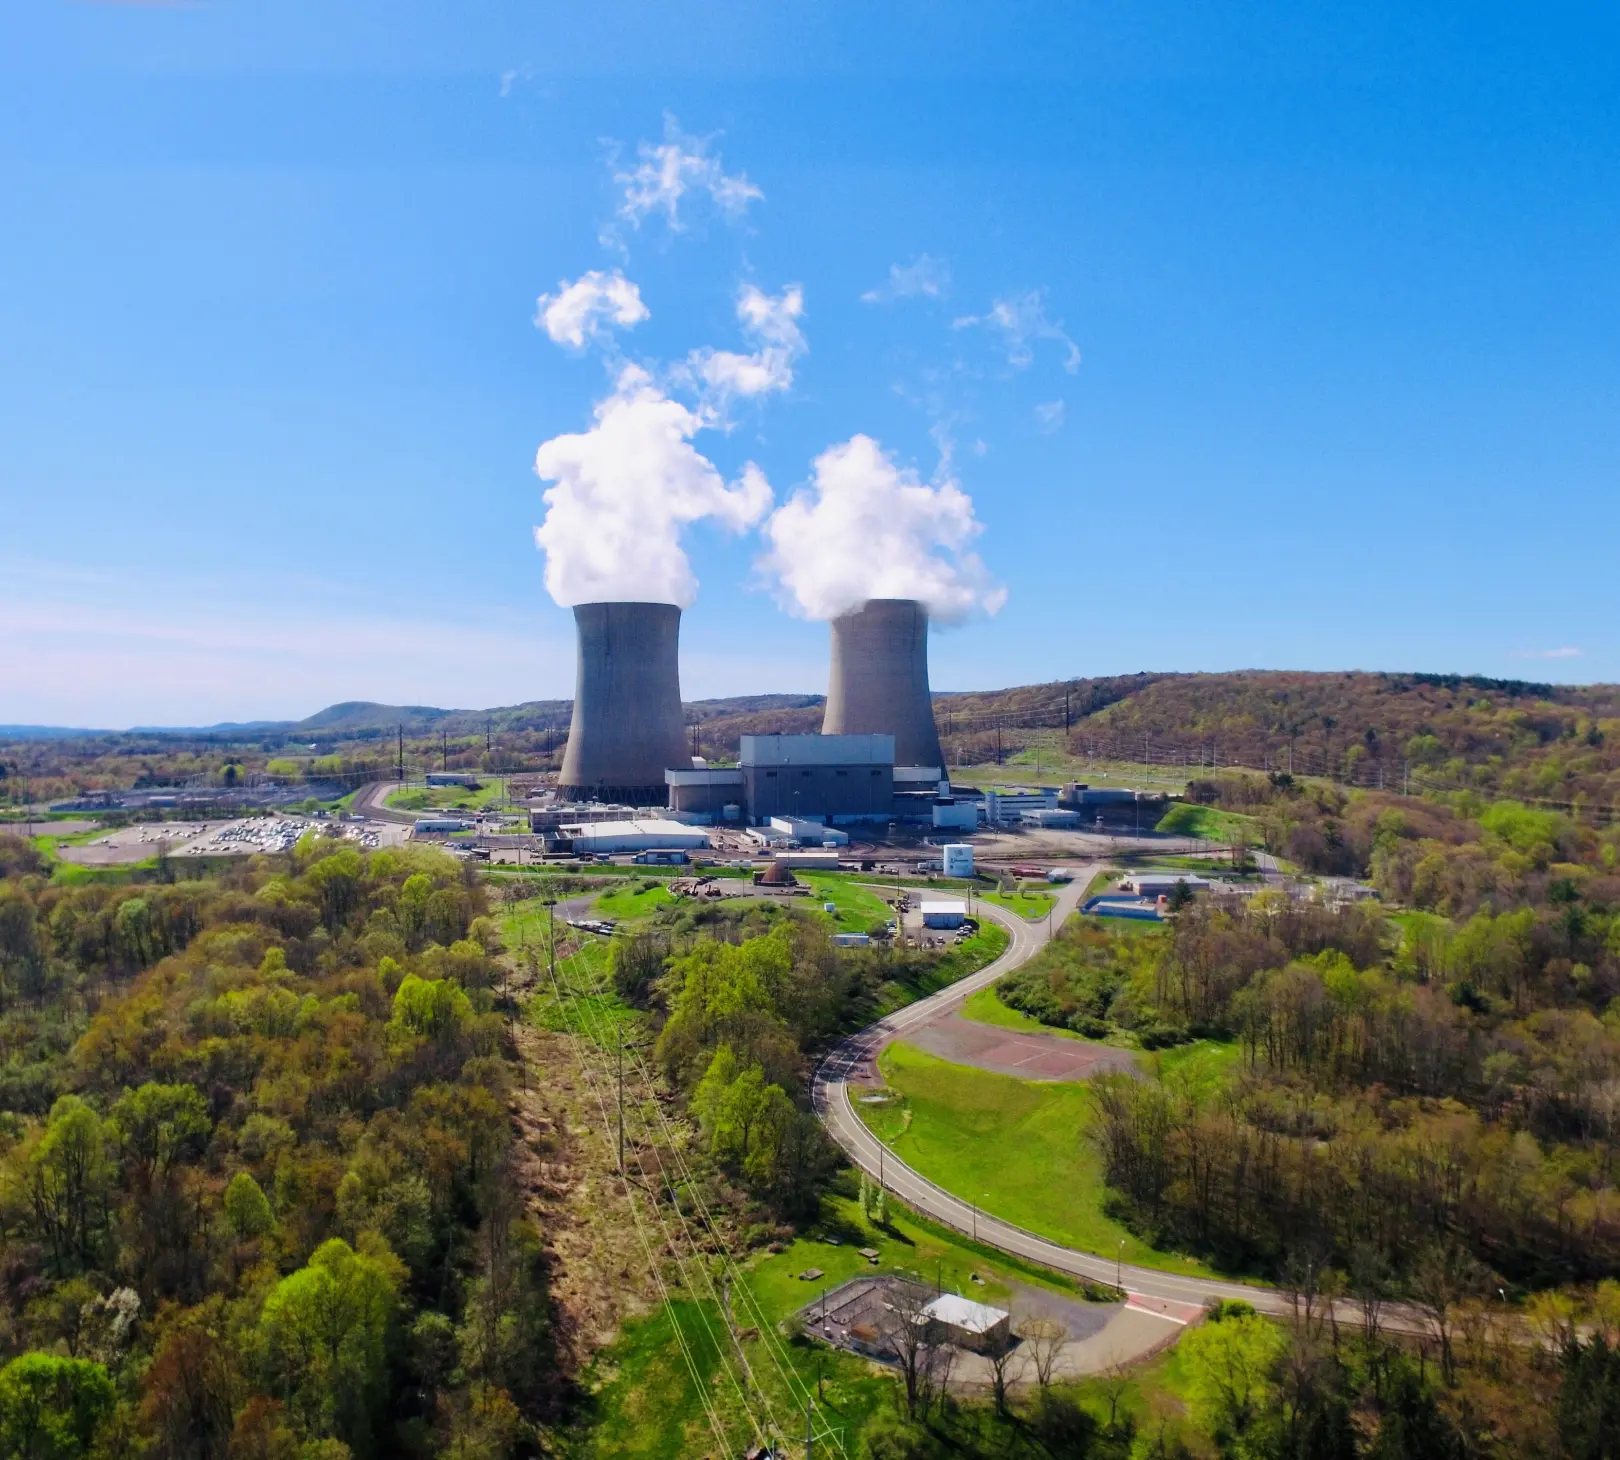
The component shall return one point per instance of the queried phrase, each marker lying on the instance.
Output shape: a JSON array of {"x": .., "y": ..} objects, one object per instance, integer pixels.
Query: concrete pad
[{"x": 1040, "y": 1057}]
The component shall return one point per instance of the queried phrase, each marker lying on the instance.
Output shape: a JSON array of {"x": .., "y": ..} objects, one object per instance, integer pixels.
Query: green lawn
[
  {"x": 858, "y": 907},
  {"x": 1031, "y": 905},
  {"x": 1016, "y": 1146},
  {"x": 634, "y": 900}
]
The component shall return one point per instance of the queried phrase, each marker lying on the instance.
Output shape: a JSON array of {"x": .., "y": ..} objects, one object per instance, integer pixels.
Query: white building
[
  {"x": 961, "y": 1321},
  {"x": 1162, "y": 884},
  {"x": 653, "y": 834},
  {"x": 956, "y": 859},
  {"x": 809, "y": 832},
  {"x": 956, "y": 815},
  {"x": 944, "y": 912},
  {"x": 1002, "y": 807}
]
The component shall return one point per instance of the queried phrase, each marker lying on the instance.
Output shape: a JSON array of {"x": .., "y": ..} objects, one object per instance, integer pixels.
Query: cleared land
[{"x": 1017, "y": 1146}]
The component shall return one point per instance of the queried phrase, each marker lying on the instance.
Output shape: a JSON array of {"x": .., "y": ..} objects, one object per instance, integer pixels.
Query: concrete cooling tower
[
  {"x": 628, "y": 728},
  {"x": 880, "y": 679}
]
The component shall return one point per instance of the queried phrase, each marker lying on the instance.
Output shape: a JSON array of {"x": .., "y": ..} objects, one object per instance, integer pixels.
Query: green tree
[
  {"x": 246, "y": 1207},
  {"x": 325, "y": 1332},
  {"x": 1230, "y": 1361},
  {"x": 432, "y": 1007},
  {"x": 50, "y": 1407},
  {"x": 66, "y": 1180},
  {"x": 155, "y": 1127}
]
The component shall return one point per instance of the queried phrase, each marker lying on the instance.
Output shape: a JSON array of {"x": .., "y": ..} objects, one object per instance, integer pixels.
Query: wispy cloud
[
  {"x": 924, "y": 275},
  {"x": 772, "y": 322},
  {"x": 515, "y": 77},
  {"x": 667, "y": 172},
  {"x": 1564, "y": 653},
  {"x": 1021, "y": 320},
  {"x": 580, "y": 311},
  {"x": 1049, "y": 415}
]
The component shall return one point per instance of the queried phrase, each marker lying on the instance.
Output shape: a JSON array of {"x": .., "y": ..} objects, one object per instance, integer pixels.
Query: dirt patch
[{"x": 1011, "y": 1052}]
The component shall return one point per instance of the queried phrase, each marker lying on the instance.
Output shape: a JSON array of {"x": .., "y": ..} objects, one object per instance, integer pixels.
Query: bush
[{"x": 1162, "y": 1036}]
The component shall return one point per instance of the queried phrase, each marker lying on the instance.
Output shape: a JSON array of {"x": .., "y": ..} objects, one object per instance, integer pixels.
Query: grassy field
[
  {"x": 440, "y": 798},
  {"x": 858, "y": 907},
  {"x": 643, "y": 1401},
  {"x": 1031, "y": 905},
  {"x": 634, "y": 900},
  {"x": 1017, "y": 1147}
]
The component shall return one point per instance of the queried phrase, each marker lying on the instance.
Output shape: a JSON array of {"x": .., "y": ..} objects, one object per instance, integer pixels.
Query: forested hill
[{"x": 1499, "y": 736}]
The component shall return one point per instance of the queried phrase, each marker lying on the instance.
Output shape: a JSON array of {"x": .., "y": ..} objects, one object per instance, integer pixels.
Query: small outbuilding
[
  {"x": 944, "y": 912},
  {"x": 960, "y": 1321}
]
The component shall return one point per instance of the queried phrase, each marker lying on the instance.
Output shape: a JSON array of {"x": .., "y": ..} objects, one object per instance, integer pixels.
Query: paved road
[{"x": 856, "y": 1058}]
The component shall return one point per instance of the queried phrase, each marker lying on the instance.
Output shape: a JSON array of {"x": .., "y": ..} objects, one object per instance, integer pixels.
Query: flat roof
[
  {"x": 964, "y": 1313},
  {"x": 817, "y": 750},
  {"x": 945, "y": 905},
  {"x": 653, "y": 826}
]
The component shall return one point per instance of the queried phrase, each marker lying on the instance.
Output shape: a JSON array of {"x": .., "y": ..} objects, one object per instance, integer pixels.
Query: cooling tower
[
  {"x": 628, "y": 728},
  {"x": 880, "y": 679}
]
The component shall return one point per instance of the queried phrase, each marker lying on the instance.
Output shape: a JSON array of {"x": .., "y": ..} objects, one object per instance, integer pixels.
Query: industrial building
[
  {"x": 1002, "y": 808},
  {"x": 840, "y": 777},
  {"x": 944, "y": 912},
  {"x": 452, "y": 778},
  {"x": 640, "y": 835},
  {"x": 953, "y": 1319},
  {"x": 1161, "y": 884},
  {"x": 879, "y": 680},
  {"x": 956, "y": 859},
  {"x": 809, "y": 833},
  {"x": 628, "y": 726}
]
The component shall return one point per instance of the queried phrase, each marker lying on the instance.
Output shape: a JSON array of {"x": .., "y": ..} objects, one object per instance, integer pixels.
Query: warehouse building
[
  {"x": 944, "y": 912},
  {"x": 652, "y": 834}
]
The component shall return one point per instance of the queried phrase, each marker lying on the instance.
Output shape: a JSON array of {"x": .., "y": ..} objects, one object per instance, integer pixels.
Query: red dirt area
[{"x": 1007, "y": 1052}]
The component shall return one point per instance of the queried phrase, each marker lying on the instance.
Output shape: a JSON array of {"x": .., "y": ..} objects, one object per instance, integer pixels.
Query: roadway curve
[{"x": 830, "y": 1088}]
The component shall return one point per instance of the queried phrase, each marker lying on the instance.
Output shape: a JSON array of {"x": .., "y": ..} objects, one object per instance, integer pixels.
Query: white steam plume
[
  {"x": 866, "y": 528},
  {"x": 623, "y": 492},
  {"x": 579, "y": 311}
]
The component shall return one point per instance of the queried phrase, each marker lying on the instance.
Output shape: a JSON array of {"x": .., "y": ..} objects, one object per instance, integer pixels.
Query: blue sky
[{"x": 1342, "y": 288}]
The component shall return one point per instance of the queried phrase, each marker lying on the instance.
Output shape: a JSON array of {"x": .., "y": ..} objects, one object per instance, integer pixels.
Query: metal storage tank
[
  {"x": 628, "y": 727},
  {"x": 879, "y": 682}
]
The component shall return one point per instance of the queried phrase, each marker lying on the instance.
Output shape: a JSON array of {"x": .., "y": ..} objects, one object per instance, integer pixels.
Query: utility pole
[
  {"x": 621, "y": 1102},
  {"x": 444, "y": 750},
  {"x": 400, "y": 773},
  {"x": 809, "y": 1431}
]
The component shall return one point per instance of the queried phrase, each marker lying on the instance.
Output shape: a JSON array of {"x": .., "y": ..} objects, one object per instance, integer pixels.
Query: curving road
[{"x": 857, "y": 1056}]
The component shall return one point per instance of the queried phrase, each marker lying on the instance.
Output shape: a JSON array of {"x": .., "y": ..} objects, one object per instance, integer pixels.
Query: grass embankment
[
  {"x": 963, "y": 958},
  {"x": 985, "y": 1008},
  {"x": 1017, "y": 1147},
  {"x": 1208, "y": 823},
  {"x": 858, "y": 908},
  {"x": 447, "y": 798},
  {"x": 637, "y": 899},
  {"x": 1032, "y": 906}
]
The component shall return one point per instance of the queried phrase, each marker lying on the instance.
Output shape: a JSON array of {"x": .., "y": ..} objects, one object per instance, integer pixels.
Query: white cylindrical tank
[{"x": 957, "y": 859}]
